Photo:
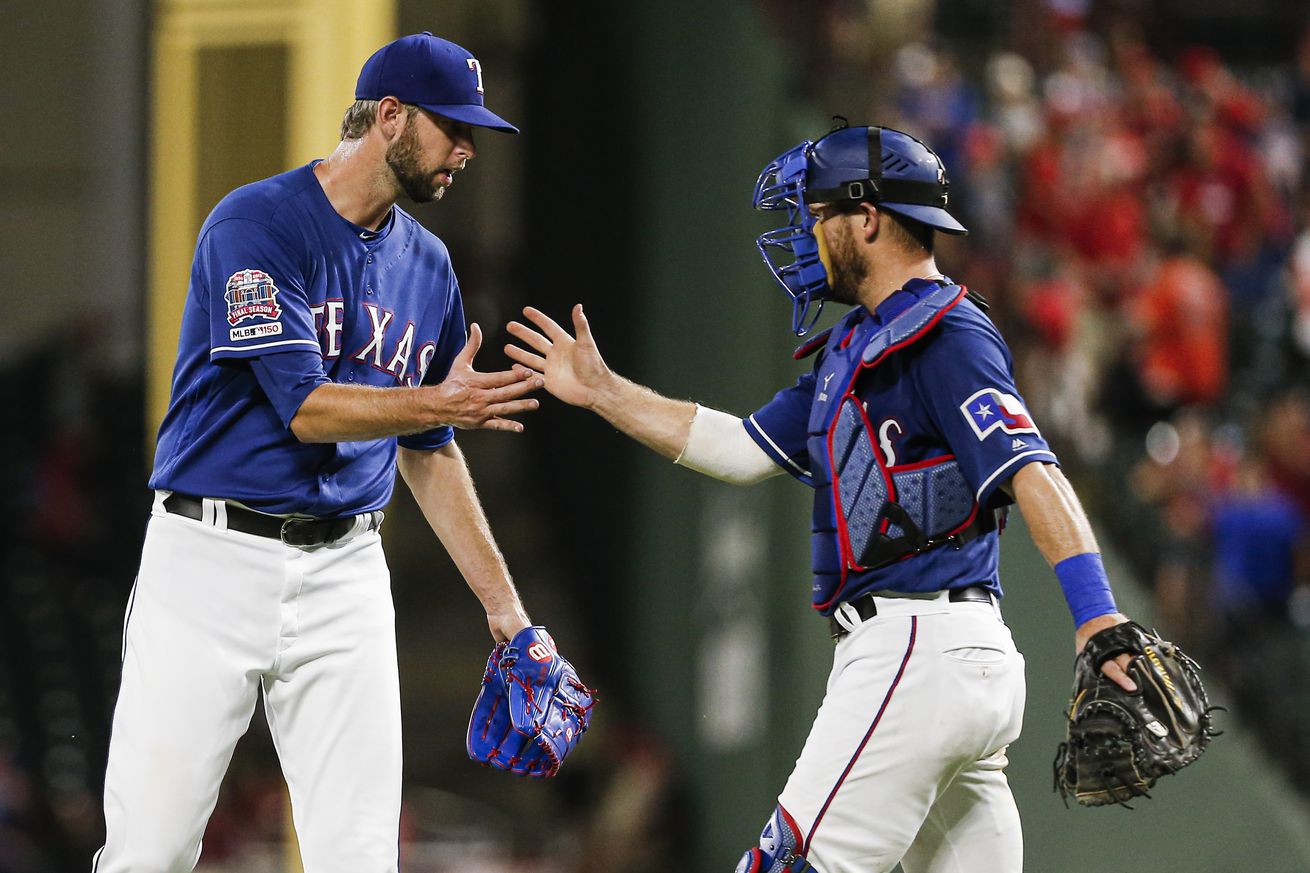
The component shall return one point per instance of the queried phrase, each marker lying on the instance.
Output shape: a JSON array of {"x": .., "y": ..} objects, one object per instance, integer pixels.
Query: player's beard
[
  {"x": 405, "y": 158},
  {"x": 848, "y": 269}
]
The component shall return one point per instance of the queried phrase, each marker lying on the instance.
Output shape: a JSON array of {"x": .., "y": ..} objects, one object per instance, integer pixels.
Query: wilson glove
[{"x": 1119, "y": 742}]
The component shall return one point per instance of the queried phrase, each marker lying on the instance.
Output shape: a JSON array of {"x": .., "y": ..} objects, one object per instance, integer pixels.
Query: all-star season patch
[
  {"x": 255, "y": 331},
  {"x": 990, "y": 409},
  {"x": 251, "y": 294}
]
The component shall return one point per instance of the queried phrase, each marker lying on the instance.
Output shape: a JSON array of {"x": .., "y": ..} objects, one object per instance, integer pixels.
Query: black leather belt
[
  {"x": 302, "y": 533},
  {"x": 866, "y": 605}
]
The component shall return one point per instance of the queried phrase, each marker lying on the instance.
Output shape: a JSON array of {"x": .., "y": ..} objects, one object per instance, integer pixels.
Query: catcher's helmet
[{"x": 851, "y": 164}]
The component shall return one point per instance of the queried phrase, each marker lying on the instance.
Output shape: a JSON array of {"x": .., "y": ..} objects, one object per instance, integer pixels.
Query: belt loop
[
  {"x": 848, "y": 617},
  {"x": 207, "y": 511},
  {"x": 158, "y": 507},
  {"x": 220, "y": 514}
]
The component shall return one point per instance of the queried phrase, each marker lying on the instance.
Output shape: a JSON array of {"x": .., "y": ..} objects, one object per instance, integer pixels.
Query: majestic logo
[
  {"x": 989, "y": 409},
  {"x": 251, "y": 294},
  {"x": 477, "y": 68},
  {"x": 540, "y": 652}
]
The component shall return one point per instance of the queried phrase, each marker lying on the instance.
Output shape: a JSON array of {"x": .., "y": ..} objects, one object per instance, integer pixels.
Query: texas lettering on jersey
[{"x": 388, "y": 348}]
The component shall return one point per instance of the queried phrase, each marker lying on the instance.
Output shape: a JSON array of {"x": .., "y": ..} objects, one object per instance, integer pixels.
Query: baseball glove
[
  {"x": 532, "y": 710},
  {"x": 1119, "y": 743}
]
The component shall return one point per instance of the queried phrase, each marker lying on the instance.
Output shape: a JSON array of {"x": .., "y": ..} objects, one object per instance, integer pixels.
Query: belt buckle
[{"x": 288, "y": 526}]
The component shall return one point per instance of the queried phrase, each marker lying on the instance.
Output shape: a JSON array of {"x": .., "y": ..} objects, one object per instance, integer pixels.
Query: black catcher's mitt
[{"x": 1119, "y": 743}]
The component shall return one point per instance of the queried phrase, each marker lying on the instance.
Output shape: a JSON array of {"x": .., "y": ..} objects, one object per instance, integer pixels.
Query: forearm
[
  {"x": 334, "y": 413},
  {"x": 657, "y": 422},
  {"x": 1063, "y": 535},
  {"x": 444, "y": 490},
  {"x": 1055, "y": 519}
]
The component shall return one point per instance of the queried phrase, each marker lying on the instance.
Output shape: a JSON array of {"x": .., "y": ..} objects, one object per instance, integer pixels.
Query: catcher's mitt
[
  {"x": 1119, "y": 743},
  {"x": 532, "y": 709}
]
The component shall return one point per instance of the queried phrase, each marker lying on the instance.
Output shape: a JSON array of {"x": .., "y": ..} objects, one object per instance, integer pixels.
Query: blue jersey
[
  {"x": 950, "y": 394},
  {"x": 285, "y": 296}
]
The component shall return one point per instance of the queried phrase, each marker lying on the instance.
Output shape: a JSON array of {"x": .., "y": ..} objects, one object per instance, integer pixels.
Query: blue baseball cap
[{"x": 433, "y": 73}]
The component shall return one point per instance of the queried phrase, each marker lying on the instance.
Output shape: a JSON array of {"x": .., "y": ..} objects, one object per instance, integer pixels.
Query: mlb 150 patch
[
  {"x": 989, "y": 409},
  {"x": 255, "y": 331},
  {"x": 251, "y": 294}
]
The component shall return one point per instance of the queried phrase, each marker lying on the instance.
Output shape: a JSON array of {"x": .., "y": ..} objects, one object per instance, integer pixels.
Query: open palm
[{"x": 572, "y": 366}]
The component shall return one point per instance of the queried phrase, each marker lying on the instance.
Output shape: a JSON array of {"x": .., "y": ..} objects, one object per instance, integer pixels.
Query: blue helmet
[{"x": 907, "y": 178}]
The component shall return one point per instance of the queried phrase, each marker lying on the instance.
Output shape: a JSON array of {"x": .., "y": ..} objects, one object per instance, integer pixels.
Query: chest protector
[{"x": 867, "y": 514}]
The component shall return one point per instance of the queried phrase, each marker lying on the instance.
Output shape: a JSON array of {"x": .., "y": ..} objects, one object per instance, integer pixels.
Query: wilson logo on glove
[{"x": 531, "y": 712}]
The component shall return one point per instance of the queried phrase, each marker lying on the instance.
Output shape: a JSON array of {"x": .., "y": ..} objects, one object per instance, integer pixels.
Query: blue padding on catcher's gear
[
  {"x": 935, "y": 498},
  {"x": 779, "y": 849},
  {"x": 860, "y": 483},
  {"x": 912, "y": 322}
]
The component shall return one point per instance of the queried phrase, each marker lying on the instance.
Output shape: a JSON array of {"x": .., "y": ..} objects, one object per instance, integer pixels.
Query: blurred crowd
[{"x": 1141, "y": 220}]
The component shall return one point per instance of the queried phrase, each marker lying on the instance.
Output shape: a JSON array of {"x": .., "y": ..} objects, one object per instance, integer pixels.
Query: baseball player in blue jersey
[
  {"x": 910, "y": 430},
  {"x": 322, "y": 346}
]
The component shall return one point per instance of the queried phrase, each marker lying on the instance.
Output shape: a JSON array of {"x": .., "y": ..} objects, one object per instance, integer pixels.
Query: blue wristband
[{"x": 1086, "y": 587}]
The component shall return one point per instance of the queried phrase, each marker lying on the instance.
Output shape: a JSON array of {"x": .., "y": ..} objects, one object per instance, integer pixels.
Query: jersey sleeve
[
  {"x": 450, "y": 343},
  {"x": 287, "y": 378},
  {"x": 781, "y": 427},
  {"x": 966, "y": 381},
  {"x": 253, "y": 289}
]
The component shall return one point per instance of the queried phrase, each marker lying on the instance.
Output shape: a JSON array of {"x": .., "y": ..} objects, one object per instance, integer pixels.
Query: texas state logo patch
[
  {"x": 989, "y": 410},
  {"x": 251, "y": 294}
]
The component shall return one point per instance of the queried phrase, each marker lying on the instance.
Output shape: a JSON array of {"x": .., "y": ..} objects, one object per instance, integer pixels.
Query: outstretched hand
[
  {"x": 573, "y": 368},
  {"x": 470, "y": 399}
]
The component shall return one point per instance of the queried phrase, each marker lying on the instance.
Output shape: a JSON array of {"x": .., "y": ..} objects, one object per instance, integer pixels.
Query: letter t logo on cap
[{"x": 477, "y": 68}]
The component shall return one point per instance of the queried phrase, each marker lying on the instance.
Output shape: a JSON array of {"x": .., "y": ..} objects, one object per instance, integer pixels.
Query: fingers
[
  {"x": 465, "y": 356},
  {"x": 504, "y": 424},
  {"x": 546, "y": 324},
  {"x": 581, "y": 328},
  {"x": 530, "y": 337},
  {"x": 501, "y": 378},
  {"x": 526, "y": 358},
  {"x": 1115, "y": 669},
  {"x": 510, "y": 393}
]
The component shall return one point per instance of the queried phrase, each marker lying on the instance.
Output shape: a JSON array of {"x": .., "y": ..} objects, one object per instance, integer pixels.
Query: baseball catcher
[
  {"x": 532, "y": 710},
  {"x": 1119, "y": 742}
]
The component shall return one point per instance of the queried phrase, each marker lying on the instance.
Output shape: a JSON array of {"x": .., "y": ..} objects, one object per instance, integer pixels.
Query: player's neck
[
  {"x": 357, "y": 183},
  {"x": 888, "y": 275}
]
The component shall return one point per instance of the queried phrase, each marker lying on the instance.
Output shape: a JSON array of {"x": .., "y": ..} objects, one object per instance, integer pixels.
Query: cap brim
[
  {"x": 471, "y": 113},
  {"x": 933, "y": 216}
]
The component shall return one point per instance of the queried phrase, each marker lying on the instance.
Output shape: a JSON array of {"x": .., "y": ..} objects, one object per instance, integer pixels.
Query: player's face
[
  {"x": 427, "y": 154},
  {"x": 846, "y": 269}
]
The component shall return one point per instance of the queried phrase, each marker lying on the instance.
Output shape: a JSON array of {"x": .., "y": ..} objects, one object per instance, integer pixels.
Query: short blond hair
[{"x": 360, "y": 116}]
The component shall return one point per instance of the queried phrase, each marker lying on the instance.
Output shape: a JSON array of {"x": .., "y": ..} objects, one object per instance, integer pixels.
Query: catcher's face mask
[{"x": 793, "y": 252}]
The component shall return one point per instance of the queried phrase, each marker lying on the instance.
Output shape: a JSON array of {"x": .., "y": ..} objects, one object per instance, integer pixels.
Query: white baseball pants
[
  {"x": 905, "y": 760},
  {"x": 215, "y": 615}
]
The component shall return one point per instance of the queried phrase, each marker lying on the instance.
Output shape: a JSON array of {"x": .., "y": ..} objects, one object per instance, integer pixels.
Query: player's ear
[
  {"x": 391, "y": 117},
  {"x": 871, "y": 220}
]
